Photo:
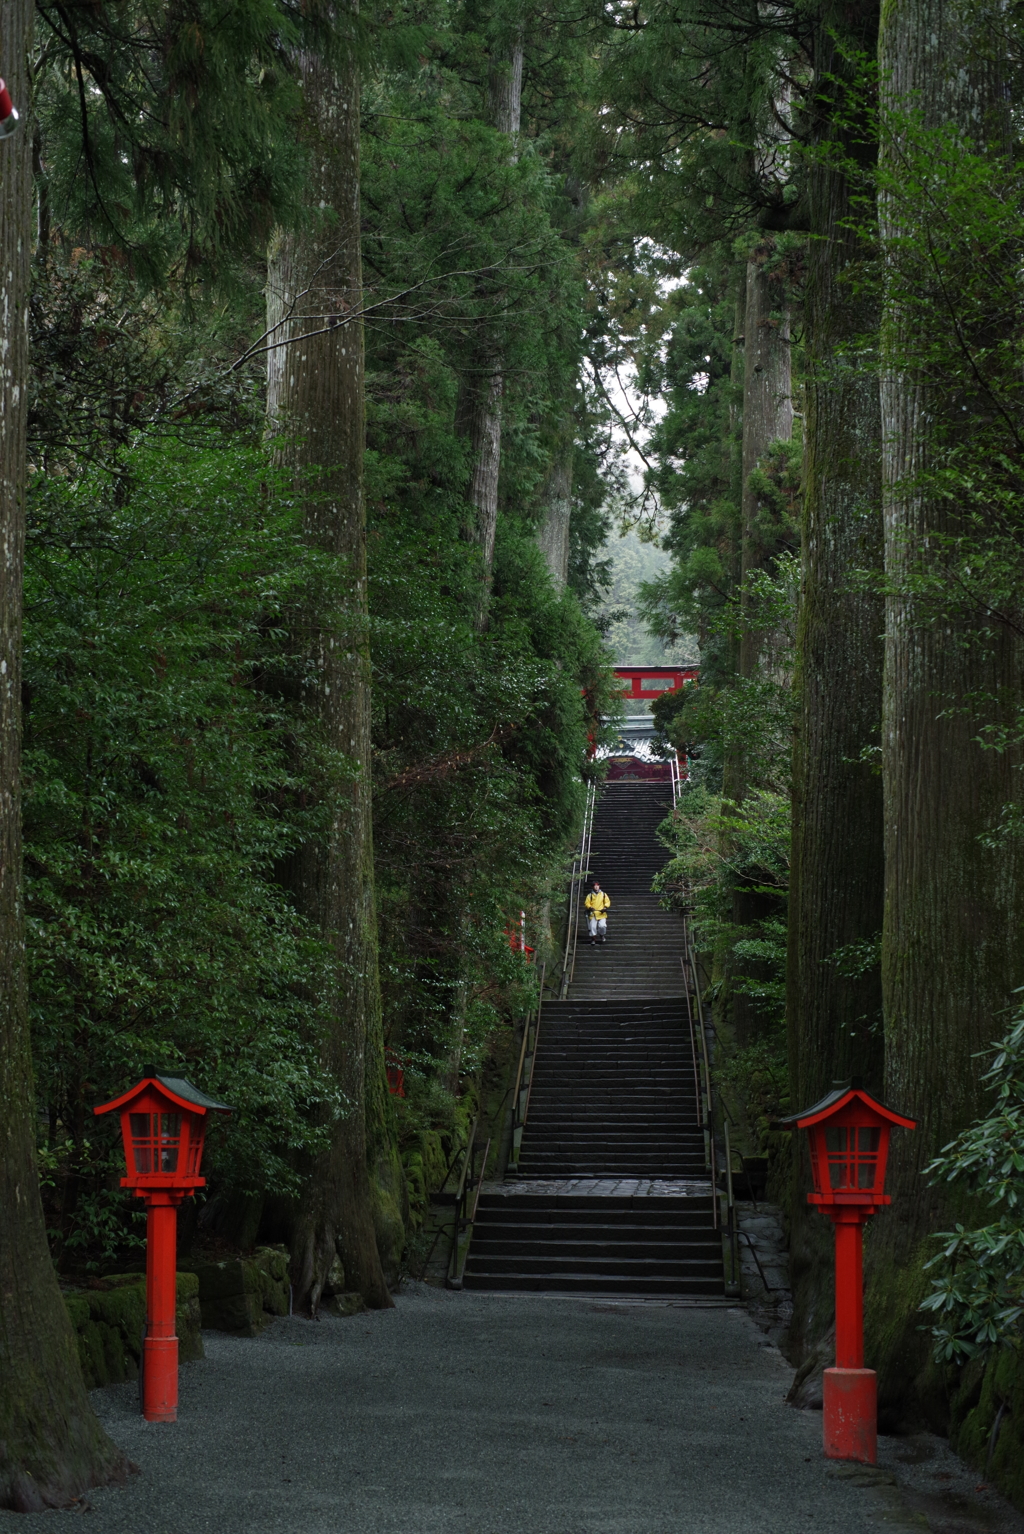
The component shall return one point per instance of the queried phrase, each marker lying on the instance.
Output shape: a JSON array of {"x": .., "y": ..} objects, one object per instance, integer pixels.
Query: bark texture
[
  {"x": 483, "y": 393},
  {"x": 51, "y": 1446},
  {"x": 952, "y": 954},
  {"x": 553, "y": 532},
  {"x": 767, "y": 418},
  {"x": 315, "y": 400},
  {"x": 836, "y": 870}
]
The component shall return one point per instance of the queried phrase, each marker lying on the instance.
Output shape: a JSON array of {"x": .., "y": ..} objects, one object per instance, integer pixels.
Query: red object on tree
[
  {"x": 163, "y": 1124},
  {"x": 8, "y": 112},
  {"x": 849, "y": 1141},
  {"x": 395, "y": 1067},
  {"x": 516, "y": 935}
]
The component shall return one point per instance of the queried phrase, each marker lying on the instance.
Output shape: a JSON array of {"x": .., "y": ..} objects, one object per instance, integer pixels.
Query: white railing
[
  {"x": 580, "y": 867},
  {"x": 701, "y": 1062}
]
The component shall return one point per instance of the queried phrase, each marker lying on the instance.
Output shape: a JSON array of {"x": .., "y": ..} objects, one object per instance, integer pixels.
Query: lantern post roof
[
  {"x": 842, "y": 1095},
  {"x": 178, "y": 1089}
]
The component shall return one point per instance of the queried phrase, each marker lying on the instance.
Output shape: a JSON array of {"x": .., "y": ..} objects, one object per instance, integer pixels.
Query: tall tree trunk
[
  {"x": 836, "y": 870},
  {"x": 485, "y": 436},
  {"x": 481, "y": 409},
  {"x": 951, "y": 953},
  {"x": 731, "y": 546},
  {"x": 553, "y": 532},
  {"x": 733, "y": 775},
  {"x": 315, "y": 399},
  {"x": 51, "y": 1445},
  {"x": 767, "y": 418}
]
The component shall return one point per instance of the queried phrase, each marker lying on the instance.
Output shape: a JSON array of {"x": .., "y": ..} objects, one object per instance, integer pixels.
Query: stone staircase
[
  {"x": 612, "y": 1193},
  {"x": 612, "y": 1094},
  {"x": 641, "y": 955},
  {"x": 595, "y": 1244}
]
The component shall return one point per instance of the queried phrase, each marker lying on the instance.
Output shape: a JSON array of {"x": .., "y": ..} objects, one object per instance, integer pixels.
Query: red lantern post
[
  {"x": 849, "y": 1143},
  {"x": 163, "y": 1125}
]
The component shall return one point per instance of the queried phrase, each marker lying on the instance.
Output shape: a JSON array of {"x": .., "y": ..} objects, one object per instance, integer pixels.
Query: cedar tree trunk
[
  {"x": 951, "y": 951},
  {"x": 553, "y": 532},
  {"x": 481, "y": 409},
  {"x": 767, "y": 418},
  {"x": 51, "y": 1446},
  {"x": 836, "y": 869},
  {"x": 315, "y": 400}
]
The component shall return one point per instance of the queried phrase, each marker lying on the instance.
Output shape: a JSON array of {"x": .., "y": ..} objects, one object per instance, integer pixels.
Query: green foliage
[
  {"x": 111, "y": 360},
  {"x": 693, "y": 95},
  {"x": 169, "y": 766},
  {"x": 158, "y": 801},
  {"x": 480, "y": 737},
  {"x": 480, "y": 746},
  {"x": 695, "y": 480},
  {"x": 954, "y": 215},
  {"x": 758, "y": 1077},
  {"x": 166, "y": 131},
  {"x": 977, "y": 1294},
  {"x": 716, "y": 848}
]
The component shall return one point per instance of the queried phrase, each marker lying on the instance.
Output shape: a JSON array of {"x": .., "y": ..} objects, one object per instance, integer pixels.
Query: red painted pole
[
  {"x": 849, "y": 1289},
  {"x": 850, "y": 1392},
  {"x": 160, "y": 1349}
]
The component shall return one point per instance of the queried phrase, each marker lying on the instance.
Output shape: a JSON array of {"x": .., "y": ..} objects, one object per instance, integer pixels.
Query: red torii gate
[{"x": 652, "y": 681}]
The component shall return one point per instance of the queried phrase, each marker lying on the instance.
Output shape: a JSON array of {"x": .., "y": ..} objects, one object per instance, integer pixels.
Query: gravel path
[{"x": 497, "y": 1414}]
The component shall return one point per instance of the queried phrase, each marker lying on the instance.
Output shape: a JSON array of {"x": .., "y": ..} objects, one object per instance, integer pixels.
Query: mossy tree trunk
[
  {"x": 734, "y": 776},
  {"x": 836, "y": 870},
  {"x": 556, "y": 510},
  {"x": 51, "y": 1446},
  {"x": 767, "y": 418},
  {"x": 952, "y": 953},
  {"x": 315, "y": 400},
  {"x": 481, "y": 404}
]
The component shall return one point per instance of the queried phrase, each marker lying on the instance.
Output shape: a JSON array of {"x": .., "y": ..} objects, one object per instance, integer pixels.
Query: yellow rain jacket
[{"x": 597, "y": 903}]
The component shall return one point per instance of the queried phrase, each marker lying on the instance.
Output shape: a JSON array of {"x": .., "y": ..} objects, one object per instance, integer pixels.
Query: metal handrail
[
  {"x": 452, "y": 1278},
  {"x": 710, "y": 1156},
  {"x": 521, "y": 1095},
  {"x": 464, "y": 1214},
  {"x": 533, "y": 1059},
  {"x": 768, "y": 1288},
  {"x": 480, "y": 1182},
  {"x": 693, "y": 1050},
  {"x": 580, "y": 868},
  {"x": 464, "y": 1223},
  {"x": 731, "y": 1213}
]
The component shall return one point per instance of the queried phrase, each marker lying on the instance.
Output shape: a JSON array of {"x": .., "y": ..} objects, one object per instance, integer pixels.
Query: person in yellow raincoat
[{"x": 597, "y": 903}]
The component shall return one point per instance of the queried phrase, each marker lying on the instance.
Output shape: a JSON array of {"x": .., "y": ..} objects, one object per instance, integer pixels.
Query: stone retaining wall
[
  {"x": 987, "y": 1420},
  {"x": 237, "y": 1294},
  {"x": 109, "y": 1316},
  {"x": 240, "y": 1294}
]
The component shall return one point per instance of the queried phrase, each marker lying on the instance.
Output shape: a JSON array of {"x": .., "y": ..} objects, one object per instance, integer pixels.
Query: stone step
[
  {"x": 577, "y": 1264},
  {"x": 626, "y": 1285}
]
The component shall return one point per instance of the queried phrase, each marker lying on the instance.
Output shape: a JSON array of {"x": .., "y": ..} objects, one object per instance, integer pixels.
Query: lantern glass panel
[
  {"x": 195, "y": 1146},
  {"x": 852, "y": 1157},
  {"x": 867, "y": 1156},
  {"x": 170, "y": 1138},
  {"x": 155, "y": 1139}
]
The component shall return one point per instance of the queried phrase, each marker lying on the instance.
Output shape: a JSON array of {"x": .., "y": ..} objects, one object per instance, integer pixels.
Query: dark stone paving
[{"x": 499, "y": 1414}]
